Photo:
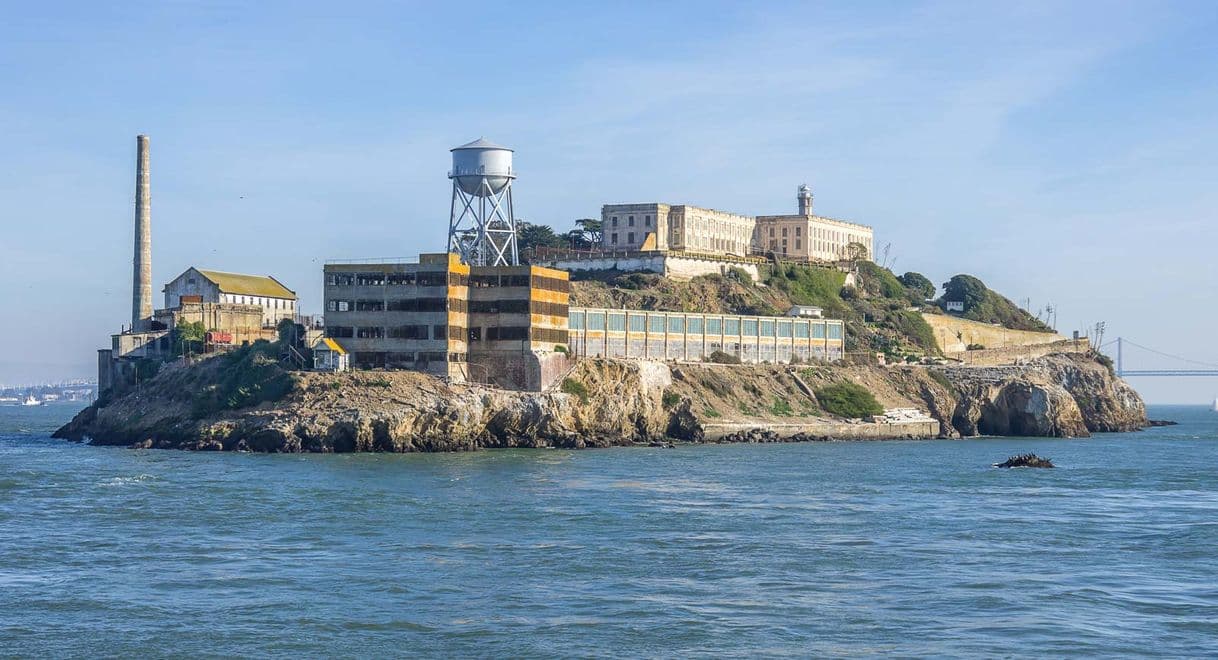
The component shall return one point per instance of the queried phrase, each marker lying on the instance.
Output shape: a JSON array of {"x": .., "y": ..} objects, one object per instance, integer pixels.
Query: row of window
[
  {"x": 496, "y": 280},
  {"x": 269, "y": 303},
  {"x": 630, "y": 221},
  {"x": 396, "y": 332},
  {"x": 730, "y": 326},
  {"x": 551, "y": 284},
  {"x": 493, "y": 333},
  {"x": 422, "y": 278},
  {"x": 396, "y": 305}
]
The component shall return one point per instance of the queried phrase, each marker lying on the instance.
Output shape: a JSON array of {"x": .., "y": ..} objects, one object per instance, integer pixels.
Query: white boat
[
  {"x": 31, "y": 401},
  {"x": 1215, "y": 405}
]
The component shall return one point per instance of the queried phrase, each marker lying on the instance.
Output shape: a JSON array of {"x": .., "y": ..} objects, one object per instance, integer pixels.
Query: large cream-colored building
[
  {"x": 808, "y": 236},
  {"x": 693, "y": 229}
]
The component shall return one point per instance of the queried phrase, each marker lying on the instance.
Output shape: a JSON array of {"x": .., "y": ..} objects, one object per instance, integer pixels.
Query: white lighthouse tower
[{"x": 481, "y": 226}]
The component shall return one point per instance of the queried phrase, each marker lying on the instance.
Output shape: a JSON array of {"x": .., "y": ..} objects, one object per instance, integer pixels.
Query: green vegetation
[
  {"x": 248, "y": 376},
  {"x": 983, "y": 305},
  {"x": 848, "y": 400},
  {"x": 919, "y": 285},
  {"x": 559, "y": 348},
  {"x": 806, "y": 285},
  {"x": 940, "y": 378},
  {"x": 572, "y": 386},
  {"x": 710, "y": 412},
  {"x": 781, "y": 408},
  {"x": 188, "y": 337},
  {"x": 670, "y": 399}
]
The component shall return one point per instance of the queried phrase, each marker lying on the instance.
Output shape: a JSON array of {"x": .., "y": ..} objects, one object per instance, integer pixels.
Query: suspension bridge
[{"x": 1194, "y": 366}]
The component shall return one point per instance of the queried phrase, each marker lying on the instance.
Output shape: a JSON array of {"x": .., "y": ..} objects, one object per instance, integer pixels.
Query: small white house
[
  {"x": 806, "y": 311},
  {"x": 328, "y": 355},
  {"x": 954, "y": 306}
]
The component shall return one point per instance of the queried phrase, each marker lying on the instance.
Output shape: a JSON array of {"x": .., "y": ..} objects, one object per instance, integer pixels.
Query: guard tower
[
  {"x": 481, "y": 226},
  {"x": 805, "y": 200}
]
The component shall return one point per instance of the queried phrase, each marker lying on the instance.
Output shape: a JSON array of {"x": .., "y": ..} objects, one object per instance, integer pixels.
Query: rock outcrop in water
[
  {"x": 1025, "y": 460},
  {"x": 628, "y": 402}
]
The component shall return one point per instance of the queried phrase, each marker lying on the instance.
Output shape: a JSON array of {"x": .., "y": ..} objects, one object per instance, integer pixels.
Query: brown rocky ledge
[{"x": 626, "y": 402}]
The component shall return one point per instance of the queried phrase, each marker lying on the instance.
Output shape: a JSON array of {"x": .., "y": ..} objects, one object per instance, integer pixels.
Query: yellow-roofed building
[
  {"x": 197, "y": 285},
  {"x": 329, "y": 355}
]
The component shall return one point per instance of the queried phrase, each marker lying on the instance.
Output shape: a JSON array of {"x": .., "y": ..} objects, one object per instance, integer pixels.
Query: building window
[
  {"x": 630, "y": 238},
  {"x": 614, "y": 223},
  {"x": 647, "y": 221},
  {"x": 784, "y": 232},
  {"x": 798, "y": 244},
  {"x": 615, "y": 239},
  {"x": 798, "y": 230},
  {"x": 630, "y": 220}
]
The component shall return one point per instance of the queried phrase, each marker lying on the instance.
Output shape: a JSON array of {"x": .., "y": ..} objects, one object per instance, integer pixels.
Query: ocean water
[{"x": 859, "y": 548}]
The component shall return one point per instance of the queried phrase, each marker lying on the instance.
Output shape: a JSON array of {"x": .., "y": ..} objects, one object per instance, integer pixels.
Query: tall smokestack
[{"x": 141, "y": 293}]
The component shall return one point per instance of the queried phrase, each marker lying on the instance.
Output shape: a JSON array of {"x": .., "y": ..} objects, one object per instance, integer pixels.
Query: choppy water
[{"x": 816, "y": 549}]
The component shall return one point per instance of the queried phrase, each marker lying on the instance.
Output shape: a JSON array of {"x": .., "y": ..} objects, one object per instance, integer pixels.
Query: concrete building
[
  {"x": 696, "y": 230},
  {"x": 213, "y": 286},
  {"x": 807, "y": 237},
  {"x": 679, "y": 336},
  {"x": 680, "y": 227},
  {"x": 501, "y": 325}
]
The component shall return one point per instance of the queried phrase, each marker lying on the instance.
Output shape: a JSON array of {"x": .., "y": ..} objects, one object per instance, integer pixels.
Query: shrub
[
  {"x": 710, "y": 412},
  {"x": 849, "y": 400},
  {"x": 719, "y": 357},
  {"x": 559, "y": 348},
  {"x": 248, "y": 376},
  {"x": 572, "y": 386},
  {"x": 670, "y": 399},
  {"x": 781, "y": 408},
  {"x": 975, "y": 347},
  {"x": 740, "y": 275}
]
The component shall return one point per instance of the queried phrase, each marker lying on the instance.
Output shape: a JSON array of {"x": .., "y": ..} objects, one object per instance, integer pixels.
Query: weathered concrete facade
[
  {"x": 494, "y": 324},
  {"x": 693, "y": 229},
  {"x": 648, "y": 335},
  {"x": 197, "y": 285}
]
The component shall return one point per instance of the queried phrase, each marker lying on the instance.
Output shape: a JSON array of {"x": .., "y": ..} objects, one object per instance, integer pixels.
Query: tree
[
  {"x": 530, "y": 236},
  {"x": 188, "y": 337},
  {"x": 967, "y": 289},
  {"x": 918, "y": 284},
  {"x": 591, "y": 227}
]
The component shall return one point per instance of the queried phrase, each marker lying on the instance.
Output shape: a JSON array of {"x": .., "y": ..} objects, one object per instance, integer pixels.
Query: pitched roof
[
  {"x": 248, "y": 285},
  {"x": 327, "y": 343}
]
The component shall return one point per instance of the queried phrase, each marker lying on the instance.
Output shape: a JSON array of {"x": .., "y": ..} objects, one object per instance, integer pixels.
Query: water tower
[{"x": 481, "y": 226}]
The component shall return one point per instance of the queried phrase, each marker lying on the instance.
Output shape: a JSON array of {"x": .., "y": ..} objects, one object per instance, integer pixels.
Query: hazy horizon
[{"x": 1062, "y": 154}]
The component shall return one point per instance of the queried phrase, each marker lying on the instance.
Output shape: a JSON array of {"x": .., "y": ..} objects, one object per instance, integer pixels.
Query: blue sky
[{"x": 1063, "y": 152}]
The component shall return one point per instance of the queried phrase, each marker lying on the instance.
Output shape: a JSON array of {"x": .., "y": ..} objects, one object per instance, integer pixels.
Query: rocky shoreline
[{"x": 619, "y": 403}]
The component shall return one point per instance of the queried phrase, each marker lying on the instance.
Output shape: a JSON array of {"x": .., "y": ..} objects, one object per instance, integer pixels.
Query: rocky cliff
[{"x": 608, "y": 402}]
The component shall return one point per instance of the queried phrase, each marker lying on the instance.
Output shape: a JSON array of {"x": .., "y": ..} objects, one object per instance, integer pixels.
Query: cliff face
[{"x": 625, "y": 402}]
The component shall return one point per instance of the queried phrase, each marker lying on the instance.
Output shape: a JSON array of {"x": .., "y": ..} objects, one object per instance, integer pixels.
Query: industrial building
[
  {"x": 238, "y": 308},
  {"x": 805, "y": 236},
  {"x": 648, "y": 335},
  {"x": 213, "y": 286},
  {"x": 501, "y": 325}
]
